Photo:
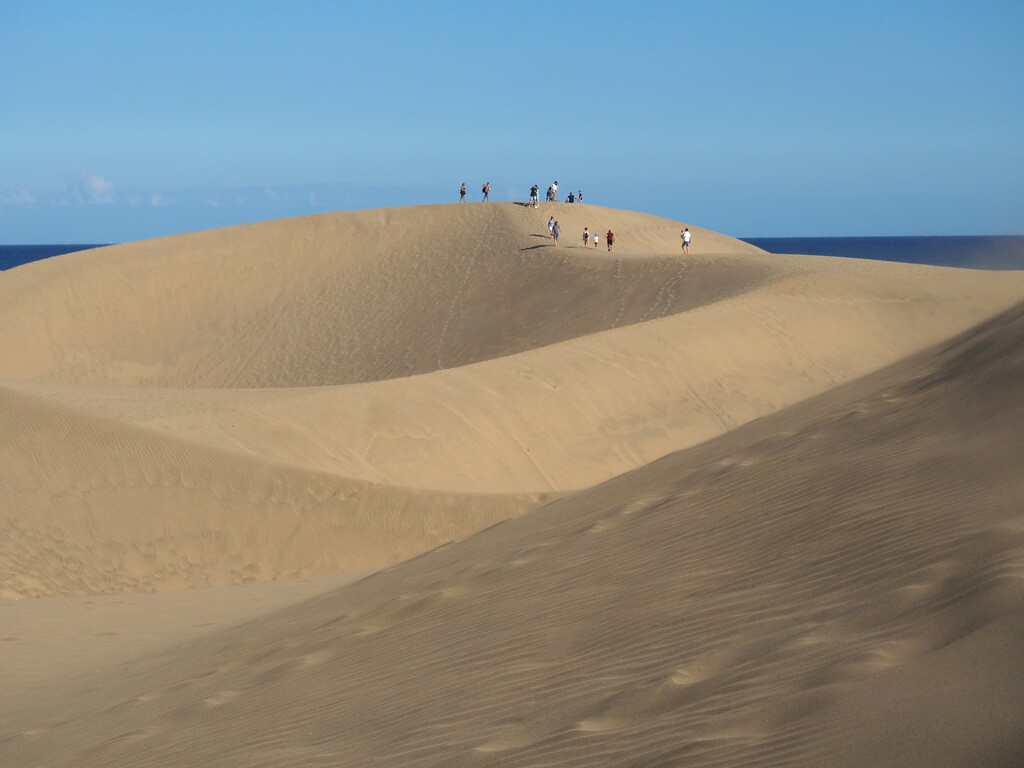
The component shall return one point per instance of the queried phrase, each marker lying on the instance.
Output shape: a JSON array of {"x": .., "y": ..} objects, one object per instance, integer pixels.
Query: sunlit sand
[{"x": 415, "y": 486}]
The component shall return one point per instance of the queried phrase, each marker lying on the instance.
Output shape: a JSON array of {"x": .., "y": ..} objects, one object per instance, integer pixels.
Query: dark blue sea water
[
  {"x": 973, "y": 252},
  {"x": 13, "y": 255}
]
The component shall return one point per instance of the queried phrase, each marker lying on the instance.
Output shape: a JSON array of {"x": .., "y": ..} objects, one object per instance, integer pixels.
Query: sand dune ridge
[{"x": 449, "y": 351}]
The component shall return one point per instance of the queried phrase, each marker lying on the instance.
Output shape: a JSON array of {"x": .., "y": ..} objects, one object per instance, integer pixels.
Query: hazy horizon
[{"x": 131, "y": 121}]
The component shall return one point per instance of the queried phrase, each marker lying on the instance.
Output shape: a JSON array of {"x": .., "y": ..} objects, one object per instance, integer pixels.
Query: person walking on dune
[
  {"x": 533, "y": 196},
  {"x": 487, "y": 191},
  {"x": 609, "y": 238},
  {"x": 551, "y": 227},
  {"x": 555, "y": 232},
  {"x": 685, "y": 234},
  {"x": 586, "y": 237},
  {"x": 596, "y": 238},
  {"x": 462, "y": 193}
]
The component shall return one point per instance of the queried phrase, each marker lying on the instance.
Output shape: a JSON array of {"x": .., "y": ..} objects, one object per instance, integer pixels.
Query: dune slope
[
  {"x": 342, "y": 298},
  {"x": 338, "y": 393},
  {"x": 839, "y": 583}
]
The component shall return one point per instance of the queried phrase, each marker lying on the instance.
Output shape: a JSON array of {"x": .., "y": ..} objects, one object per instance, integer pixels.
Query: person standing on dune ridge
[{"x": 462, "y": 193}]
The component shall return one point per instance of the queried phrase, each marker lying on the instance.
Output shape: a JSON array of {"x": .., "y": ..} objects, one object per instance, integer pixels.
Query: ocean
[
  {"x": 968, "y": 251},
  {"x": 975, "y": 252},
  {"x": 14, "y": 255}
]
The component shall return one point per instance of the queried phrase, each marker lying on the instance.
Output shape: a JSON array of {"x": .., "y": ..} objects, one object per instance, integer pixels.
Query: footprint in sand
[
  {"x": 314, "y": 658},
  {"x": 616, "y": 517},
  {"x": 139, "y": 735},
  {"x": 595, "y": 725},
  {"x": 601, "y": 526},
  {"x": 369, "y": 629},
  {"x": 893, "y": 395},
  {"x": 736, "y": 462},
  {"x": 332, "y": 622},
  {"x": 637, "y": 703},
  {"x": 511, "y": 739},
  {"x": 221, "y": 698}
]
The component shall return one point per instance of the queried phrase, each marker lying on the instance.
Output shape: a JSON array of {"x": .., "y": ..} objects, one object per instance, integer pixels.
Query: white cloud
[
  {"x": 20, "y": 197},
  {"x": 157, "y": 200},
  {"x": 90, "y": 189}
]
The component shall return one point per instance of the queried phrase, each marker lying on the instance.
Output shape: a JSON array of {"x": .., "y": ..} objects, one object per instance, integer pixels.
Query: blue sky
[{"x": 127, "y": 120}]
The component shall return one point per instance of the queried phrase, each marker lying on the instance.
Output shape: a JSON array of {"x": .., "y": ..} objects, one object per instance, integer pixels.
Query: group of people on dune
[
  {"x": 554, "y": 230},
  {"x": 552, "y": 194},
  {"x": 609, "y": 237}
]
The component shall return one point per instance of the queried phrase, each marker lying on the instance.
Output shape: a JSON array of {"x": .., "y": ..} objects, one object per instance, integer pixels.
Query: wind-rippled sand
[{"x": 633, "y": 508}]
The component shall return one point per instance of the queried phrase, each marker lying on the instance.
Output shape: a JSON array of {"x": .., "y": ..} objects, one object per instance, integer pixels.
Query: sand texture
[{"x": 633, "y": 508}]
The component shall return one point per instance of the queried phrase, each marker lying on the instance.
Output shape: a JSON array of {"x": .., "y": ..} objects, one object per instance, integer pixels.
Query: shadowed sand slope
[
  {"x": 840, "y": 583},
  {"x": 340, "y": 392}
]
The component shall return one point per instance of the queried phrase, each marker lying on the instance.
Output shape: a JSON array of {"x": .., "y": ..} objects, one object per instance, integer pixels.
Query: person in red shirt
[{"x": 610, "y": 239}]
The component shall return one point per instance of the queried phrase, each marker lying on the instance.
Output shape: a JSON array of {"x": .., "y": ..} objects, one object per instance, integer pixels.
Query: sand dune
[
  {"x": 192, "y": 402},
  {"x": 754, "y": 509}
]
